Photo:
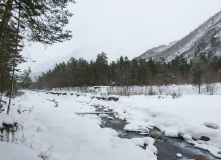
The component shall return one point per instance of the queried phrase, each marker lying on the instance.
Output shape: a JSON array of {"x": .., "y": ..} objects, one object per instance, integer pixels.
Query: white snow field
[
  {"x": 51, "y": 127},
  {"x": 9, "y": 151}
]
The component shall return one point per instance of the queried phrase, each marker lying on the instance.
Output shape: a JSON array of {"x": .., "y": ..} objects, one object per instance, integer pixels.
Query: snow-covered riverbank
[
  {"x": 51, "y": 127},
  {"x": 68, "y": 135}
]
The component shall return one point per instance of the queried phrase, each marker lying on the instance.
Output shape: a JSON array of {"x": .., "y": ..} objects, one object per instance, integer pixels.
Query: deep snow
[
  {"x": 60, "y": 133},
  {"x": 9, "y": 151}
]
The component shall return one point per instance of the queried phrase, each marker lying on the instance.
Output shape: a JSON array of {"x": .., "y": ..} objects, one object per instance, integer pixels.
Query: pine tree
[
  {"x": 25, "y": 79},
  {"x": 134, "y": 72},
  {"x": 41, "y": 20},
  {"x": 144, "y": 72},
  {"x": 35, "y": 20},
  {"x": 9, "y": 55},
  {"x": 74, "y": 70},
  {"x": 198, "y": 70},
  {"x": 126, "y": 72},
  {"x": 82, "y": 74},
  {"x": 92, "y": 71},
  {"x": 101, "y": 68}
]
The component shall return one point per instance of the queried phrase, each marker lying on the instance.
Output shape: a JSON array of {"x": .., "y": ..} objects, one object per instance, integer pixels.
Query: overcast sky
[{"x": 126, "y": 27}]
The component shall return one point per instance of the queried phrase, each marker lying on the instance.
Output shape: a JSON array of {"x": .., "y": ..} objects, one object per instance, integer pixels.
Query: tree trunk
[{"x": 14, "y": 61}]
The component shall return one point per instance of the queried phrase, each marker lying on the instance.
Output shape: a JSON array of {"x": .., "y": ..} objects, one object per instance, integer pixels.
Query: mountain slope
[{"x": 205, "y": 38}]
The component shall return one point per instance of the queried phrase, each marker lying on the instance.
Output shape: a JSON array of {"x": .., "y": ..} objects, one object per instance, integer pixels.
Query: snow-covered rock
[{"x": 179, "y": 155}]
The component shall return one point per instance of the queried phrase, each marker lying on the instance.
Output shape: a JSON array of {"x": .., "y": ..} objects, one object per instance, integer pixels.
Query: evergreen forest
[{"x": 124, "y": 72}]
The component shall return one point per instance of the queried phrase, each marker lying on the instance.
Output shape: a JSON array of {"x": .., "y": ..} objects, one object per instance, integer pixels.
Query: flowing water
[{"x": 167, "y": 147}]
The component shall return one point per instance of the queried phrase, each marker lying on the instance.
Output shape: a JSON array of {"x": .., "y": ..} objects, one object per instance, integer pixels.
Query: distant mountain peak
[{"x": 205, "y": 38}]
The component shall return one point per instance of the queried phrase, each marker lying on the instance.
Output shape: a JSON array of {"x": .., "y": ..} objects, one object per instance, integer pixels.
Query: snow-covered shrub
[
  {"x": 210, "y": 88},
  {"x": 8, "y": 127},
  {"x": 174, "y": 95},
  {"x": 151, "y": 91}
]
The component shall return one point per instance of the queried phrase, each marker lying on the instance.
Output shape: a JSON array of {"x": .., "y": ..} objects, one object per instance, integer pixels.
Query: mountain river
[{"x": 167, "y": 147}]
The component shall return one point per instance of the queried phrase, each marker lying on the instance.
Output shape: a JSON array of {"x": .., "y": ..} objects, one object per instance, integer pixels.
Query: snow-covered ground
[{"x": 52, "y": 128}]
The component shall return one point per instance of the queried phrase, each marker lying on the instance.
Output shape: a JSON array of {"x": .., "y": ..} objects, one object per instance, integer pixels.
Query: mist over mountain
[
  {"x": 206, "y": 38},
  {"x": 87, "y": 52}
]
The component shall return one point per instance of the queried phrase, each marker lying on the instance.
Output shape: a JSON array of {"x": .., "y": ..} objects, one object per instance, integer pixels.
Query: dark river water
[{"x": 167, "y": 147}]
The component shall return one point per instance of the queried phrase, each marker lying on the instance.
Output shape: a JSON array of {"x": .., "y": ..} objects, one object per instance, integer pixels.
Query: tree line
[{"x": 124, "y": 72}]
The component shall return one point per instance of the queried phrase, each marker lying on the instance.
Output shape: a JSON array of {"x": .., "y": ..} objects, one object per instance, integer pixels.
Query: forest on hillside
[{"x": 124, "y": 72}]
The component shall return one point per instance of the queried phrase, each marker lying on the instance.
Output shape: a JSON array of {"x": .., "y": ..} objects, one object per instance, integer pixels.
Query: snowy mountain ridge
[{"x": 205, "y": 38}]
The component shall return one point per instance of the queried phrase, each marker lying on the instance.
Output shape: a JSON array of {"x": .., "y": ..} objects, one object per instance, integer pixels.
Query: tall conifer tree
[{"x": 34, "y": 20}]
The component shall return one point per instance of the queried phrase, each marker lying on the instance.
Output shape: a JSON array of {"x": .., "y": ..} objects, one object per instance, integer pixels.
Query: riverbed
[{"x": 167, "y": 147}]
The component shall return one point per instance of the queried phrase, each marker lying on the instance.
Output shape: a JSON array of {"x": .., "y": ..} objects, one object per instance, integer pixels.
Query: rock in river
[
  {"x": 155, "y": 135},
  {"x": 201, "y": 157},
  {"x": 179, "y": 155},
  {"x": 204, "y": 138}
]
